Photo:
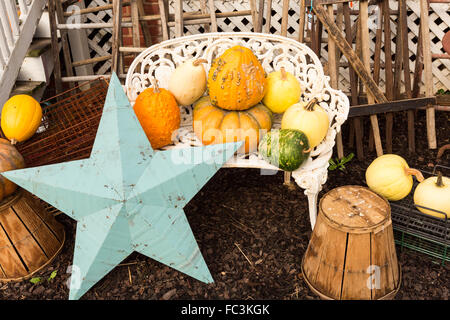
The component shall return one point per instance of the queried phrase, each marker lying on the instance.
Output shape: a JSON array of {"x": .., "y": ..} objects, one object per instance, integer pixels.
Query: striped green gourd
[{"x": 286, "y": 149}]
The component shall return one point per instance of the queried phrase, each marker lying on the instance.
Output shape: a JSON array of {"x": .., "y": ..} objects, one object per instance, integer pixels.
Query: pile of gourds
[
  {"x": 238, "y": 105},
  {"x": 390, "y": 176},
  {"x": 20, "y": 118}
]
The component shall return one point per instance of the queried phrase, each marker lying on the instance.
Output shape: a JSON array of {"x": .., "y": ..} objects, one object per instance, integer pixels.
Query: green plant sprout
[
  {"x": 36, "y": 280},
  {"x": 340, "y": 163}
]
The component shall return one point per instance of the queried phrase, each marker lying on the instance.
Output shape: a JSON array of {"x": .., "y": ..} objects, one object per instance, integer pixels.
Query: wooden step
[
  {"x": 32, "y": 88},
  {"x": 38, "y": 47},
  {"x": 38, "y": 62}
]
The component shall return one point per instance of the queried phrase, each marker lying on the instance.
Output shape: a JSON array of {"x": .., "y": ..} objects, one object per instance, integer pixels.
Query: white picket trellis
[
  {"x": 439, "y": 23},
  {"x": 18, "y": 21}
]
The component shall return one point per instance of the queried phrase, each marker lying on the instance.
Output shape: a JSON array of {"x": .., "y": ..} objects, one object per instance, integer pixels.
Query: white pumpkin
[
  {"x": 188, "y": 82},
  {"x": 434, "y": 193},
  {"x": 310, "y": 118}
]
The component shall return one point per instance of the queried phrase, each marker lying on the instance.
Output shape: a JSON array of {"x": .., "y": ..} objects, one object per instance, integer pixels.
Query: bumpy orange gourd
[
  {"x": 236, "y": 80},
  {"x": 215, "y": 125},
  {"x": 21, "y": 117},
  {"x": 10, "y": 159},
  {"x": 159, "y": 115}
]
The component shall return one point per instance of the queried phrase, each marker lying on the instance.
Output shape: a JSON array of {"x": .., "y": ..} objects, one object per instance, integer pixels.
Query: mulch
[{"x": 252, "y": 231}]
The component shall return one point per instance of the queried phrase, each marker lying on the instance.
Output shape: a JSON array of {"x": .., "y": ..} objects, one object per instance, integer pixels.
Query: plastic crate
[{"x": 418, "y": 231}]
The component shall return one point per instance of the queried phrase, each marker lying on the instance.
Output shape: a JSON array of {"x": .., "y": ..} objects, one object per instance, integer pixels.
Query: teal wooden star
[{"x": 127, "y": 197}]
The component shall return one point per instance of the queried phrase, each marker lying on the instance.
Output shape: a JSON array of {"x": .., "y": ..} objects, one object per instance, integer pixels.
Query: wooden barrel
[
  {"x": 30, "y": 237},
  {"x": 351, "y": 254}
]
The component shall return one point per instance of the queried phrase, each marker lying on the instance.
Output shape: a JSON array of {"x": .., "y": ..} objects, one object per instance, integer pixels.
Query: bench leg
[
  {"x": 312, "y": 204},
  {"x": 312, "y": 183}
]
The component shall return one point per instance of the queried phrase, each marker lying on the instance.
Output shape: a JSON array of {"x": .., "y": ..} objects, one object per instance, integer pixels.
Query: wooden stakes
[
  {"x": 301, "y": 22},
  {"x": 363, "y": 7},
  {"x": 426, "y": 45},
  {"x": 64, "y": 41},
  {"x": 333, "y": 72},
  {"x": 179, "y": 26},
  {"x": 55, "y": 46},
  {"x": 212, "y": 12}
]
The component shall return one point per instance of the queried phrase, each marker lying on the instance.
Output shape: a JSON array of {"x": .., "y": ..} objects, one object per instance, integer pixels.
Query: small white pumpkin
[
  {"x": 308, "y": 117},
  {"x": 188, "y": 82},
  {"x": 434, "y": 193}
]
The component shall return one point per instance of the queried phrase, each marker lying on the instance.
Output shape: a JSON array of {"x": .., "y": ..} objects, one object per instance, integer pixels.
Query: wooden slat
[
  {"x": 406, "y": 72},
  {"x": 117, "y": 35},
  {"x": 41, "y": 232},
  {"x": 268, "y": 16},
  {"x": 428, "y": 75},
  {"x": 394, "y": 106},
  {"x": 212, "y": 12},
  {"x": 65, "y": 42},
  {"x": 352, "y": 57},
  {"x": 356, "y": 124},
  {"x": 284, "y": 18},
  {"x": 332, "y": 263},
  {"x": 333, "y": 72},
  {"x": 26, "y": 245},
  {"x": 363, "y": 7},
  {"x": 260, "y": 16},
  {"x": 144, "y": 26},
  {"x": 382, "y": 261},
  {"x": 179, "y": 22},
  {"x": 55, "y": 46},
  {"x": 301, "y": 22},
  {"x": 11, "y": 265},
  {"x": 56, "y": 227},
  {"x": 164, "y": 11},
  {"x": 358, "y": 256},
  {"x": 204, "y": 11},
  {"x": 135, "y": 24}
]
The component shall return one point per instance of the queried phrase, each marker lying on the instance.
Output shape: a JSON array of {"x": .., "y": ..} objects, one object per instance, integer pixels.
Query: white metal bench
[{"x": 158, "y": 61}]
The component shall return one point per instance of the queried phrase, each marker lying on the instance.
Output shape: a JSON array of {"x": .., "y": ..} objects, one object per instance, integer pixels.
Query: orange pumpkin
[
  {"x": 159, "y": 115},
  {"x": 215, "y": 125},
  {"x": 236, "y": 80},
  {"x": 10, "y": 159}
]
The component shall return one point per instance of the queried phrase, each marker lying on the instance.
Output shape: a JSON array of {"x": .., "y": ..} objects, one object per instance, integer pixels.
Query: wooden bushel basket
[
  {"x": 351, "y": 254},
  {"x": 30, "y": 237}
]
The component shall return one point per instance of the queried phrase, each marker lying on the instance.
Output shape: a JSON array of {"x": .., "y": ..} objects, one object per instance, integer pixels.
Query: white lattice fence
[
  {"x": 99, "y": 40},
  {"x": 100, "y": 45},
  {"x": 439, "y": 24}
]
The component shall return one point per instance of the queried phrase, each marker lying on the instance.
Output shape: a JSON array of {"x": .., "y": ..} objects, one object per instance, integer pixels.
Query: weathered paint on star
[{"x": 127, "y": 197}]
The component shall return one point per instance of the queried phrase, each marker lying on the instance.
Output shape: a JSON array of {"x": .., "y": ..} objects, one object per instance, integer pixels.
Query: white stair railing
[{"x": 18, "y": 21}]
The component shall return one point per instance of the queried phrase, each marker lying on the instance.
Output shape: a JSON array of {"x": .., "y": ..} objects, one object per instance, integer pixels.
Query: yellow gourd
[
  {"x": 434, "y": 193},
  {"x": 310, "y": 118},
  {"x": 188, "y": 82},
  {"x": 283, "y": 90},
  {"x": 21, "y": 117},
  {"x": 390, "y": 176}
]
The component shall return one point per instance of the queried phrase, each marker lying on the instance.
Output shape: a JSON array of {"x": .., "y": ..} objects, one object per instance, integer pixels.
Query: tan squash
[
  {"x": 390, "y": 176},
  {"x": 308, "y": 117},
  {"x": 188, "y": 82},
  {"x": 434, "y": 193},
  {"x": 215, "y": 125},
  {"x": 10, "y": 159}
]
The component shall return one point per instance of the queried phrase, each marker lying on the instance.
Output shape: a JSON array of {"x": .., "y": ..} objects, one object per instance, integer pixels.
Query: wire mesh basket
[
  {"x": 418, "y": 231},
  {"x": 69, "y": 125}
]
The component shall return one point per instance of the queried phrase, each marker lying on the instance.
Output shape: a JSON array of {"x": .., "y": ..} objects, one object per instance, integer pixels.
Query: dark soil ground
[{"x": 239, "y": 209}]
